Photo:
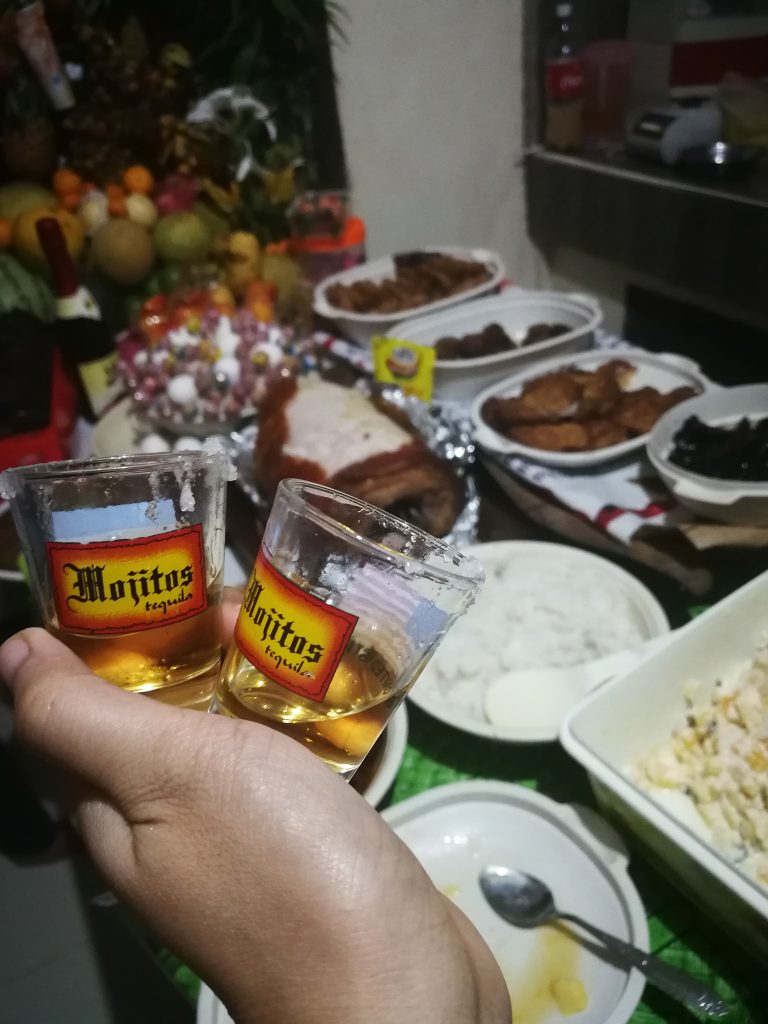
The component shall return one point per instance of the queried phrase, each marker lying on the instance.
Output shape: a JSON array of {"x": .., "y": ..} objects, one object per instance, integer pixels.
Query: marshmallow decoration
[
  {"x": 229, "y": 367},
  {"x": 188, "y": 444},
  {"x": 153, "y": 443},
  {"x": 182, "y": 389},
  {"x": 182, "y": 339},
  {"x": 207, "y": 369}
]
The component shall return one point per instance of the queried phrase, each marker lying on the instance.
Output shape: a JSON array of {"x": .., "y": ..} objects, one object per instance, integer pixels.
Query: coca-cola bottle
[
  {"x": 563, "y": 84},
  {"x": 86, "y": 344}
]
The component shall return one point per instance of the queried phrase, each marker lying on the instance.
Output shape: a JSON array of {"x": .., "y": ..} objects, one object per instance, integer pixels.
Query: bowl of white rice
[{"x": 542, "y": 606}]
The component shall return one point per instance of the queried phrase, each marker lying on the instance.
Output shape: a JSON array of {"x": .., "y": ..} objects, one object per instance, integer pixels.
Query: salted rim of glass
[
  {"x": 110, "y": 463},
  {"x": 293, "y": 491}
]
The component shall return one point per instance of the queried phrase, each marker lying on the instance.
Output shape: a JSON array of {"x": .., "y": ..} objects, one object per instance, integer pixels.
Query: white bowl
[
  {"x": 650, "y": 618},
  {"x": 515, "y": 311},
  {"x": 361, "y": 327},
  {"x": 728, "y": 501},
  {"x": 456, "y": 830},
  {"x": 629, "y": 716},
  {"x": 394, "y": 740},
  {"x": 664, "y": 372}
]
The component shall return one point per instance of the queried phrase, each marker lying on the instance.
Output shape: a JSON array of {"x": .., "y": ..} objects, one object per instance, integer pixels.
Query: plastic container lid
[{"x": 353, "y": 233}]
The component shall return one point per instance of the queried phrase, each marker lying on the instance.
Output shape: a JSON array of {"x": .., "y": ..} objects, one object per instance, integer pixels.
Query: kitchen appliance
[{"x": 665, "y": 132}]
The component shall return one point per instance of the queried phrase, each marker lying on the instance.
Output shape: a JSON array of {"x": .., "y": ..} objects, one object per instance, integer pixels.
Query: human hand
[{"x": 258, "y": 865}]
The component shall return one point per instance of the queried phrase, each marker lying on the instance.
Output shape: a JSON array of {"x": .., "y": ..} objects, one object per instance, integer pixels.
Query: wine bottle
[{"x": 87, "y": 347}]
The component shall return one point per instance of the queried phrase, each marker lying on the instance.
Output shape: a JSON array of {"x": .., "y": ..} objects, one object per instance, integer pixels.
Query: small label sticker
[
  {"x": 294, "y": 638},
  {"x": 406, "y": 364},
  {"x": 118, "y": 586},
  {"x": 101, "y": 381}
]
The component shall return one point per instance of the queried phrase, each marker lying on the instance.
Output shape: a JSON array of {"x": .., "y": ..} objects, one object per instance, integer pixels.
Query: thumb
[{"x": 82, "y": 723}]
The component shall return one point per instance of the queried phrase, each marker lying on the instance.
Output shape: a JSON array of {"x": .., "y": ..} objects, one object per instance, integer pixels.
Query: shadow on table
[{"x": 135, "y": 985}]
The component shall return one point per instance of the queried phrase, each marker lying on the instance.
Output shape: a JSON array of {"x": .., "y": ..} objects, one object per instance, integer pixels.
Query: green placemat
[{"x": 679, "y": 932}]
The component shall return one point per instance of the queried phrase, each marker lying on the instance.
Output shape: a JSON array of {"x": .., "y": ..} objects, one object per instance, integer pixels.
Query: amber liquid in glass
[
  {"x": 363, "y": 694},
  {"x": 177, "y": 664}
]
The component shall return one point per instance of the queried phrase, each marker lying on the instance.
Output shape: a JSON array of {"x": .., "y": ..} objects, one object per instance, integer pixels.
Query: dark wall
[{"x": 730, "y": 353}]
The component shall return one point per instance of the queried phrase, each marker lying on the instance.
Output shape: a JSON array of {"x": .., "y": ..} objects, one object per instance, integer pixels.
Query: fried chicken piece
[
  {"x": 552, "y": 437},
  {"x": 604, "y": 434},
  {"x": 639, "y": 410},
  {"x": 488, "y": 342},
  {"x": 552, "y": 396},
  {"x": 537, "y": 333},
  {"x": 601, "y": 389}
]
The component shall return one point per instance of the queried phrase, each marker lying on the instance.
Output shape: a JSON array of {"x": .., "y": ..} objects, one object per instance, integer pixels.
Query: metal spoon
[{"x": 525, "y": 901}]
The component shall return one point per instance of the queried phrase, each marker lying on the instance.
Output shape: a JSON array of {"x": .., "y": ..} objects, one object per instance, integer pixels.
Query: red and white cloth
[{"x": 619, "y": 498}]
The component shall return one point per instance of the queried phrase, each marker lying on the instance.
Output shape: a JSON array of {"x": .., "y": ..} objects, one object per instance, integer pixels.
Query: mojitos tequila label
[
  {"x": 118, "y": 586},
  {"x": 292, "y": 637}
]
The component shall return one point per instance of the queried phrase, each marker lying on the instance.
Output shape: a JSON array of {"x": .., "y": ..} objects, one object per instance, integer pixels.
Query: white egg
[
  {"x": 188, "y": 444},
  {"x": 182, "y": 389},
  {"x": 151, "y": 443},
  {"x": 230, "y": 367}
]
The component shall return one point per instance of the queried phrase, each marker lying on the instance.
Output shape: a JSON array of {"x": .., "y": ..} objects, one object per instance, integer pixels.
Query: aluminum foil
[{"x": 445, "y": 429}]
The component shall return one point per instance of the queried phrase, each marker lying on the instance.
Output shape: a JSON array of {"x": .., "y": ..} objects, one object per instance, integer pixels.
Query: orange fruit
[
  {"x": 70, "y": 200},
  {"x": 6, "y": 232},
  {"x": 65, "y": 180},
  {"x": 262, "y": 310},
  {"x": 138, "y": 179}
]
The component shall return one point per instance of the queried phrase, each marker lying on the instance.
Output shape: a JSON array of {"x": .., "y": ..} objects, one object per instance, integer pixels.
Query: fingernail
[{"x": 13, "y": 654}]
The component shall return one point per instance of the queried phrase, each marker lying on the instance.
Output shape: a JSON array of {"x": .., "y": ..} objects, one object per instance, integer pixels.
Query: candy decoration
[
  {"x": 201, "y": 365},
  {"x": 182, "y": 389}
]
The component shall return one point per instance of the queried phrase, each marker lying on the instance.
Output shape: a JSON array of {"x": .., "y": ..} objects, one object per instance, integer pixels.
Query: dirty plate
[{"x": 456, "y": 830}]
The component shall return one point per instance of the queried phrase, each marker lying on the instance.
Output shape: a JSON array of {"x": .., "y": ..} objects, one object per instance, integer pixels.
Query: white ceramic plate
[
  {"x": 394, "y": 740},
  {"x": 361, "y": 327},
  {"x": 209, "y": 1008},
  {"x": 651, "y": 621},
  {"x": 663, "y": 372},
  {"x": 456, "y": 830}
]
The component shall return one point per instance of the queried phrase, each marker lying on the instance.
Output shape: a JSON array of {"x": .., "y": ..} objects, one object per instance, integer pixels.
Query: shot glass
[
  {"x": 343, "y": 609},
  {"x": 125, "y": 558}
]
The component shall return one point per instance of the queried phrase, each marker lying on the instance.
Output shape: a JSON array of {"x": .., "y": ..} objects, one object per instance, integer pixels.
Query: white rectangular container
[
  {"x": 459, "y": 380},
  {"x": 627, "y": 717}
]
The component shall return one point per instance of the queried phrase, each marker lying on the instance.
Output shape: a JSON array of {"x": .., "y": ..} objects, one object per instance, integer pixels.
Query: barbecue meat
[{"x": 334, "y": 435}]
